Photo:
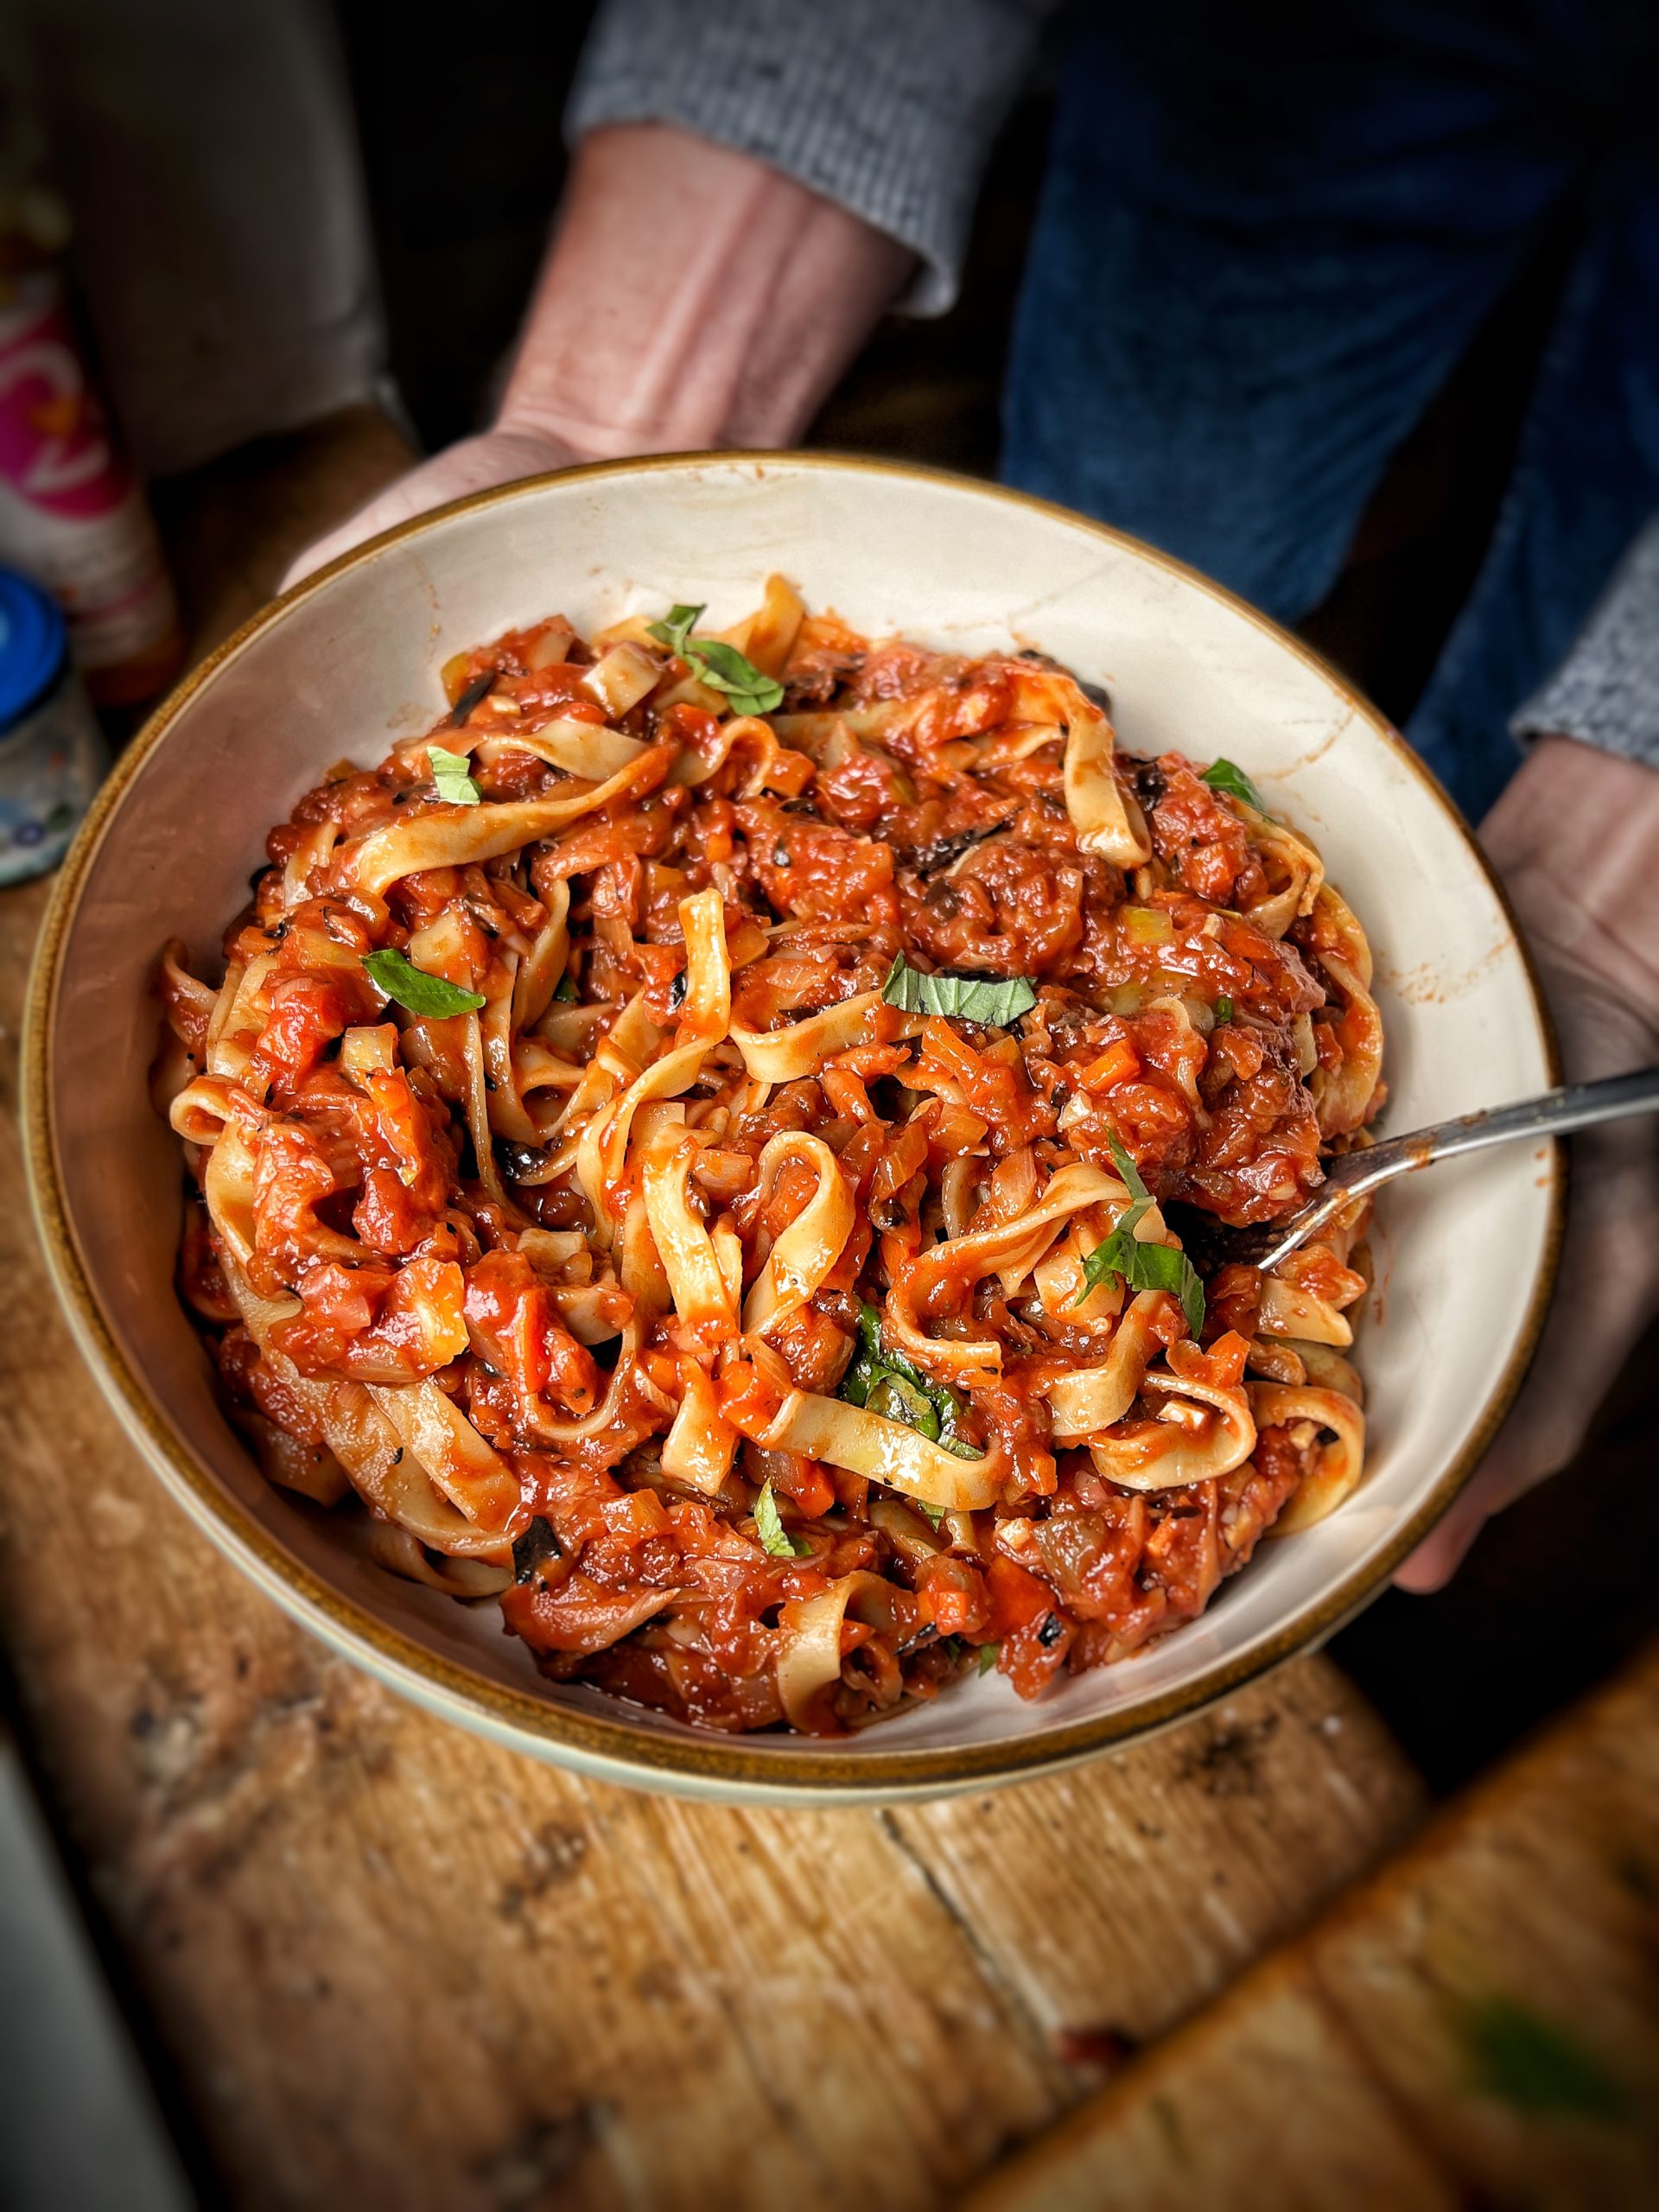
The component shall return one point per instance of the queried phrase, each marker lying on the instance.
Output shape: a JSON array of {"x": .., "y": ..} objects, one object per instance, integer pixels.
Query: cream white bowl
[{"x": 349, "y": 662}]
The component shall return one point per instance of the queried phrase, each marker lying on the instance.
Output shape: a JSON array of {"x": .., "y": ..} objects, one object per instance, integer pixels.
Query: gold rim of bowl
[{"x": 621, "y": 1747}]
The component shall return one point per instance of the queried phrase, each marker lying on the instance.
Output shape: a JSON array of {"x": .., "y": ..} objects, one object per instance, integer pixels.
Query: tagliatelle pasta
[{"x": 702, "y": 1148}]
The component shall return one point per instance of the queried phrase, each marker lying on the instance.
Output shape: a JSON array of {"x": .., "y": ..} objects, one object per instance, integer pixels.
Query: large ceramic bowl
[{"x": 349, "y": 662}]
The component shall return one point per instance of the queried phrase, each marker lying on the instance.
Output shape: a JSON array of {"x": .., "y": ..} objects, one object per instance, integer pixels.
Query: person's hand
[
  {"x": 692, "y": 297},
  {"x": 1575, "y": 839},
  {"x": 499, "y": 456}
]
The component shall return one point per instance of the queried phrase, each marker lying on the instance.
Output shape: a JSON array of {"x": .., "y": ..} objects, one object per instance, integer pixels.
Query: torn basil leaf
[
  {"x": 1109, "y": 1258},
  {"x": 451, "y": 774},
  {"x": 1227, "y": 776},
  {"x": 1111, "y": 1255},
  {"x": 1163, "y": 1267},
  {"x": 719, "y": 666},
  {"x": 433, "y": 997},
  {"x": 987, "y": 1656},
  {"x": 769, "y": 1527},
  {"x": 1146, "y": 1267},
  {"x": 895, "y": 1399},
  {"x": 1129, "y": 1175},
  {"x": 887, "y": 1383},
  {"x": 675, "y": 628},
  {"x": 993, "y": 1001},
  {"x": 723, "y": 668},
  {"x": 1142, "y": 1267},
  {"x": 1224, "y": 1009}
]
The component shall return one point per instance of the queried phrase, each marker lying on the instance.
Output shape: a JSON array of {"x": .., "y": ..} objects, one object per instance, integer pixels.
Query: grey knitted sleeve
[
  {"x": 888, "y": 107},
  {"x": 1606, "y": 691}
]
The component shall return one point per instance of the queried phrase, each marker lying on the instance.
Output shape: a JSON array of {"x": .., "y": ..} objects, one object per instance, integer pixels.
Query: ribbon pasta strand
[{"x": 695, "y": 1150}]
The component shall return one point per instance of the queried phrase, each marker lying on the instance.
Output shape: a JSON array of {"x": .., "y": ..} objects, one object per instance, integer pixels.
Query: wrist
[
  {"x": 691, "y": 297},
  {"x": 1575, "y": 839}
]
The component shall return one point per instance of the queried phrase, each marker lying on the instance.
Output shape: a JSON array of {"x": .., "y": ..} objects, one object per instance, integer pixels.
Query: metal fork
[{"x": 1576, "y": 1108}]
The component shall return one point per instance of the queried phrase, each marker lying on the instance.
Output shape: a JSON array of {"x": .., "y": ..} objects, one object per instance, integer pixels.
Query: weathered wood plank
[
  {"x": 1211, "y": 2122},
  {"x": 1296, "y": 1775},
  {"x": 1477, "y": 2025}
]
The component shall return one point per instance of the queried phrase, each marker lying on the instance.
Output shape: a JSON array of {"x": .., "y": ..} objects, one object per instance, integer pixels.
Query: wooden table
[
  {"x": 385, "y": 1960},
  {"x": 380, "y": 1963},
  {"x": 1478, "y": 2024}
]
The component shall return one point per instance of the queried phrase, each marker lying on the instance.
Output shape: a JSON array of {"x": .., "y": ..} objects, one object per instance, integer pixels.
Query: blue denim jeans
[{"x": 1267, "y": 234}]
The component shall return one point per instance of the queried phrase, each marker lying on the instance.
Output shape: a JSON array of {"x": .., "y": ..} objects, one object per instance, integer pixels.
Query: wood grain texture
[
  {"x": 1477, "y": 2025},
  {"x": 390, "y": 1963}
]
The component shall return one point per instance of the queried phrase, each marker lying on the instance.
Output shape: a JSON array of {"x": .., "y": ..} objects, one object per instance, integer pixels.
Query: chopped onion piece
[{"x": 621, "y": 677}]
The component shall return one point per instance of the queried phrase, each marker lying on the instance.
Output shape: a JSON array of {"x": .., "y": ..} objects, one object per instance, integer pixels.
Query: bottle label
[
  {"x": 56, "y": 450},
  {"x": 73, "y": 514}
]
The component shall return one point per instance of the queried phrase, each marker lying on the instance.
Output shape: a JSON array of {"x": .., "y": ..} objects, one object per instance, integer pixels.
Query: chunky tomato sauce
[{"x": 405, "y": 1230}]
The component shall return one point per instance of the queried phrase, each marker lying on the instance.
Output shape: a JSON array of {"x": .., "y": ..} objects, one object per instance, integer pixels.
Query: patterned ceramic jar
[{"x": 53, "y": 756}]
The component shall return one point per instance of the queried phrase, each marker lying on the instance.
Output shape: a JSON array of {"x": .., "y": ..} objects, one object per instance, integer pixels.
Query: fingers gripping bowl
[{"x": 349, "y": 665}]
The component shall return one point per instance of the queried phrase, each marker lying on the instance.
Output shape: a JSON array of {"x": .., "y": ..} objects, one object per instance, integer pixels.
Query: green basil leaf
[
  {"x": 723, "y": 668},
  {"x": 1227, "y": 776},
  {"x": 856, "y": 1383},
  {"x": 431, "y": 996},
  {"x": 1132, "y": 1216},
  {"x": 675, "y": 627},
  {"x": 1224, "y": 1009},
  {"x": 993, "y": 1001},
  {"x": 896, "y": 1399},
  {"x": 1113, "y": 1254},
  {"x": 565, "y": 989},
  {"x": 769, "y": 1527},
  {"x": 887, "y": 1383},
  {"x": 939, "y": 1399},
  {"x": 1161, "y": 1266},
  {"x": 988, "y": 1655},
  {"x": 1146, "y": 1266},
  {"x": 1143, "y": 1267},
  {"x": 759, "y": 703},
  {"x": 1109, "y": 1257},
  {"x": 719, "y": 666},
  {"x": 1129, "y": 1175},
  {"x": 451, "y": 774}
]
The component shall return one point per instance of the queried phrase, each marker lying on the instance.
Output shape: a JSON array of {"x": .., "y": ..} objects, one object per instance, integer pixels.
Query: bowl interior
[{"x": 349, "y": 664}]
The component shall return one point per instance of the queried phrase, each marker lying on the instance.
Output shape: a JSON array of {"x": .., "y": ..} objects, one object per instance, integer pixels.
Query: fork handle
[
  {"x": 1577, "y": 1107},
  {"x": 1553, "y": 1115}
]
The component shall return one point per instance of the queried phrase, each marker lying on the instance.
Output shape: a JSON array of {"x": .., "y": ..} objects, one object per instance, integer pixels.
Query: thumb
[{"x": 474, "y": 464}]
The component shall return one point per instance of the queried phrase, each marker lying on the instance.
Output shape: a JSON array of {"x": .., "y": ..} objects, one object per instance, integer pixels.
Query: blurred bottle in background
[
  {"x": 73, "y": 512},
  {"x": 53, "y": 756}
]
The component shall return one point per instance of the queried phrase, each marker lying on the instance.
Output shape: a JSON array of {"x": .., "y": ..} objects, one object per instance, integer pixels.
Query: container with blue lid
[{"x": 52, "y": 753}]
